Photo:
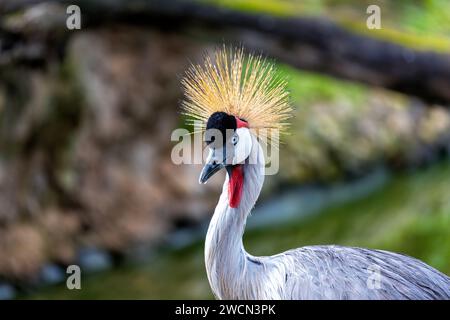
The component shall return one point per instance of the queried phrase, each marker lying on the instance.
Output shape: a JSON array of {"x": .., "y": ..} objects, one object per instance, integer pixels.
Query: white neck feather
[{"x": 225, "y": 256}]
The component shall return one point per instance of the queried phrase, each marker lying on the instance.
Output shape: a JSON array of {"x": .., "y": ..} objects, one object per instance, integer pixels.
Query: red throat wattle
[
  {"x": 235, "y": 186},
  {"x": 236, "y": 182}
]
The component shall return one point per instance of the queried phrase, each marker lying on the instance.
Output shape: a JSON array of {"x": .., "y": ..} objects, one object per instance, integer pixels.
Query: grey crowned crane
[{"x": 237, "y": 95}]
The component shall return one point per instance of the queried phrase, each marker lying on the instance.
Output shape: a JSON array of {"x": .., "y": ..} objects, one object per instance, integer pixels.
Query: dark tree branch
[{"x": 307, "y": 43}]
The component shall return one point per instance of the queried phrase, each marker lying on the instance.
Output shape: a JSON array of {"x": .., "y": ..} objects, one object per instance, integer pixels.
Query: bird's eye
[{"x": 234, "y": 139}]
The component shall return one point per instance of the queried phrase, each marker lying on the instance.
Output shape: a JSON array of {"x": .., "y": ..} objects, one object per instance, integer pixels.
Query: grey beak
[{"x": 209, "y": 170}]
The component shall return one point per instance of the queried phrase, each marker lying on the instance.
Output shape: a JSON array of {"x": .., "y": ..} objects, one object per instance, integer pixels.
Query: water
[{"x": 408, "y": 213}]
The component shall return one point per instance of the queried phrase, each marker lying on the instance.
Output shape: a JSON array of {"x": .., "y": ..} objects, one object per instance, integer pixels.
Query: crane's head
[
  {"x": 229, "y": 141},
  {"x": 233, "y": 94}
]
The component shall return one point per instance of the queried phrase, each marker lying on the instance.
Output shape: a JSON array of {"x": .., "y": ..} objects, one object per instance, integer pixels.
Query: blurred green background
[{"x": 86, "y": 176}]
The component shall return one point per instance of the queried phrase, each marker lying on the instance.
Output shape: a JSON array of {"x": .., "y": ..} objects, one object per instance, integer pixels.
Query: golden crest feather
[{"x": 242, "y": 85}]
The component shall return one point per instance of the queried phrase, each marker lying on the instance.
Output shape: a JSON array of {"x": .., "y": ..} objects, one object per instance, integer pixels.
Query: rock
[
  {"x": 94, "y": 260},
  {"x": 184, "y": 237},
  {"x": 7, "y": 292},
  {"x": 140, "y": 253},
  {"x": 52, "y": 274},
  {"x": 97, "y": 169}
]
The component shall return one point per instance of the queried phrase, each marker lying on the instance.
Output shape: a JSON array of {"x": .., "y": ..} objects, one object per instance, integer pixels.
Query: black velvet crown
[{"x": 219, "y": 121}]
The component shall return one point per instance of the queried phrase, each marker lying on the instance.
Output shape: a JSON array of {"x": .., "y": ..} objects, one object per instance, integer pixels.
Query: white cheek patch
[
  {"x": 215, "y": 155},
  {"x": 210, "y": 155},
  {"x": 243, "y": 147}
]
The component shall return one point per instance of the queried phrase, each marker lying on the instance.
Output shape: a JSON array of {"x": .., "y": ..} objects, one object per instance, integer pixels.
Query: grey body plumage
[{"x": 335, "y": 272}]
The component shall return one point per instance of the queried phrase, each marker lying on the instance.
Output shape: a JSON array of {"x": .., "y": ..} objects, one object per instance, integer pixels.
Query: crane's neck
[{"x": 225, "y": 256}]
